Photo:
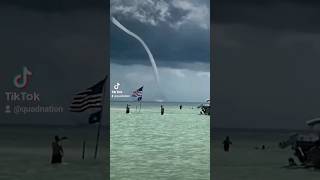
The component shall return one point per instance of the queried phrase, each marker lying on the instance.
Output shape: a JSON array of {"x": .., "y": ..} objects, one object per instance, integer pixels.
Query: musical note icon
[{"x": 22, "y": 80}]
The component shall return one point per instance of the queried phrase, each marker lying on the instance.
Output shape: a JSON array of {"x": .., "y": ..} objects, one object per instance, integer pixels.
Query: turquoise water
[{"x": 148, "y": 146}]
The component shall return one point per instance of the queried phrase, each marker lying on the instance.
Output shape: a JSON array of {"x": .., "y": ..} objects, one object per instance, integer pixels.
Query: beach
[
  {"x": 147, "y": 146},
  {"x": 25, "y": 153},
  {"x": 247, "y": 162}
]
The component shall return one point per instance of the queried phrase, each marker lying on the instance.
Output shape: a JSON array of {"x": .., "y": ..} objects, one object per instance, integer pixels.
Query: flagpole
[
  {"x": 97, "y": 141},
  {"x": 83, "y": 149},
  {"x": 99, "y": 126}
]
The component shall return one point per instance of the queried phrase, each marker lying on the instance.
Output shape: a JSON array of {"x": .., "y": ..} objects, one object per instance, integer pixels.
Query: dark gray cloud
[
  {"x": 169, "y": 47},
  {"x": 265, "y": 63},
  {"x": 175, "y": 31},
  {"x": 173, "y": 12},
  {"x": 295, "y": 15}
]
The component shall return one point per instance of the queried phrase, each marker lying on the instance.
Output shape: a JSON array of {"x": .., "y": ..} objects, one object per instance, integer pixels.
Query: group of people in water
[
  {"x": 58, "y": 153},
  {"x": 161, "y": 109},
  {"x": 227, "y": 142}
]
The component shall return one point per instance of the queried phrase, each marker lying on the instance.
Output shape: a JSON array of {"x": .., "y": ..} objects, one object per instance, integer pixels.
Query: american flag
[
  {"x": 89, "y": 98},
  {"x": 138, "y": 93}
]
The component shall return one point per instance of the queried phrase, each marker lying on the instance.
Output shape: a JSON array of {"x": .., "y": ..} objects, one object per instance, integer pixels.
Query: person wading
[
  {"x": 226, "y": 144},
  {"x": 57, "y": 150},
  {"x": 128, "y": 109},
  {"x": 162, "y": 110}
]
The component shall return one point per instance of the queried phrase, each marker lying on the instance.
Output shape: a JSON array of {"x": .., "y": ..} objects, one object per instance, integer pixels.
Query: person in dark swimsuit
[
  {"x": 57, "y": 150},
  {"x": 162, "y": 110},
  {"x": 226, "y": 144},
  {"x": 128, "y": 109}
]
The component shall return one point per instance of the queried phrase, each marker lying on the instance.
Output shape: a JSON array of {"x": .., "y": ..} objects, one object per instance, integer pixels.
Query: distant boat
[
  {"x": 306, "y": 146},
  {"x": 205, "y": 107}
]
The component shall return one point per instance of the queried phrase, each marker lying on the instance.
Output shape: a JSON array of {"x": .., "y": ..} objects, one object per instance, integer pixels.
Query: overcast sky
[
  {"x": 177, "y": 33},
  {"x": 63, "y": 43},
  {"x": 266, "y": 63},
  {"x": 266, "y": 55}
]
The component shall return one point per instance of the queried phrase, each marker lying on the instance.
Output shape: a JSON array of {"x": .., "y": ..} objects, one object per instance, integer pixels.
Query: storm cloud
[
  {"x": 177, "y": 33},
  {"x": 265, "y": 62}
]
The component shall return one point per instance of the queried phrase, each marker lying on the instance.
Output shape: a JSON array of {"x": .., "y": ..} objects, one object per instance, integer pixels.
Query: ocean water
[
  {"x": 148, "y": 146},
  {"x": 25, "y": 153},
  {"x": 245, "y": 162}
]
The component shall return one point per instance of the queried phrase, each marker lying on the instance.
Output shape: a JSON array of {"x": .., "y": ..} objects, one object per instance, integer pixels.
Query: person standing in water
[
  {"x": 226, "y": 144},
  {"x": 180, "y": 106},
  {"x": 57, "y": 150},
  {"x": 127, "y": 109},
  {"x": 162, "y": 110}
]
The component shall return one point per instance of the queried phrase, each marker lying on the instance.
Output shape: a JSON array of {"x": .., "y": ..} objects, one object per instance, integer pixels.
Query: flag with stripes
[
  {"x": 90, "y": 98},
  {"x": 138, "y": 93}
]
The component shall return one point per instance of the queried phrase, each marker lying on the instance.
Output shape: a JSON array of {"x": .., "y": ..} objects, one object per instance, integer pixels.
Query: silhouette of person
[
  {"x": 180, "y": 106},
  {"x": 127, "y": 109},
  {"x": 162, "y": 110},
  {"x": 57, "y": 150},
  {"x": 226, "y": 144}
]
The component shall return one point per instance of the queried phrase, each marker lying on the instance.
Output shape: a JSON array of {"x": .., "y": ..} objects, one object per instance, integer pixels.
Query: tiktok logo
[
  {"x": 22, "y": 80},
  {"x": 116, "y": 92},
  {"x": 116, "y": 86}
]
